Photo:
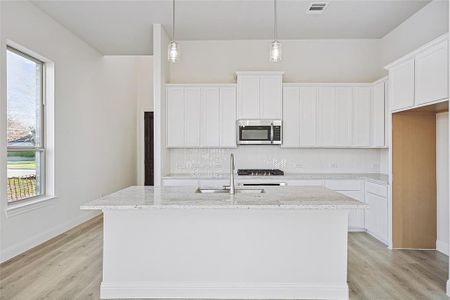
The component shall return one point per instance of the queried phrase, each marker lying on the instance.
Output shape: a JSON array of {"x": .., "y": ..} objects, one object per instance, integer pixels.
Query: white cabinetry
[
  {"x": 192, "y": 107},
  {"x": 431, "y": 80},
  {"x": 326, "y": 117},
  {"x": 333, "y": 116},
  {"x": 376, "y": 196},
  {"x": 299, "y": 117},
  {"x": 259, "y": 95},
  {"x": 379, "y": 114},
  {"x": 353, "y": 189},
  {"x": 420, "y": 77},
  {"x": 175, "y": 117},
  {"x": 343, "y": 113},
  {"x": 401, "y": 85},
  {"x": 362, "y": 116},
  {"x": 201, "y": 116}
]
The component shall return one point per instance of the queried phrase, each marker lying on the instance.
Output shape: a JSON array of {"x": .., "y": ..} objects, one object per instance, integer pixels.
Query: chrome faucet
[{"x": 232, "y": 186}]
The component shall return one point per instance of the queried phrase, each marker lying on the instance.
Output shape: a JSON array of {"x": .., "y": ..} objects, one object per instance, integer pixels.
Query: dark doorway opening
[{"x": 148, "y": 148}]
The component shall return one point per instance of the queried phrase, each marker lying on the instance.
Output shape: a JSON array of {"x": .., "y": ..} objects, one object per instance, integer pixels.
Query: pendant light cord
[
  {"x": 173, "y": 20},
  {"x": 274, "y": 20}
]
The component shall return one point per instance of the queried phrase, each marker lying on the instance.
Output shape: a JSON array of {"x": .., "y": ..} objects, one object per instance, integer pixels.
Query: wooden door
[
  {"x": 148, "y": 149},
  {"x": 414, "y": 180}
]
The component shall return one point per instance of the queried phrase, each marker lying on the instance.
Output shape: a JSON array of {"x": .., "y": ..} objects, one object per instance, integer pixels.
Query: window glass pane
[
  {"x": 24, "y": 100},
  {"x": 24, "y": 175}
]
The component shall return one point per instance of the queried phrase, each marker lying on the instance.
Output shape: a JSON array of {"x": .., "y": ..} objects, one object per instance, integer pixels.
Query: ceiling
[{"x": 125, "y": 27}]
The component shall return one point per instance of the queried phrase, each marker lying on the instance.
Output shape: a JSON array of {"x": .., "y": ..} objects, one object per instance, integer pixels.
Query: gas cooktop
[{"x": 260, "y": 172}]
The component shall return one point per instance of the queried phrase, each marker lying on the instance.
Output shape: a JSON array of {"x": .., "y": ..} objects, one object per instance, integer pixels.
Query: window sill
[{"x": 27, "y": 206}]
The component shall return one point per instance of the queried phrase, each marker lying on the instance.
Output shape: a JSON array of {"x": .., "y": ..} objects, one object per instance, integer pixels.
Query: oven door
[{"x": 255, "y": 134}]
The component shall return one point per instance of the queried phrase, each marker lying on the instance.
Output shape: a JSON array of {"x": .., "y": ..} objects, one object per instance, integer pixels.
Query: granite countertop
[
  {"x": 373, "y": 177},
  {"x": 145, "y": 197}
]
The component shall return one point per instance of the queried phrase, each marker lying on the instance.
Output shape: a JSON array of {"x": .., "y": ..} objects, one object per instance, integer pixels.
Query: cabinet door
[
  {"x": 361, "y": 116},
  {"x": 291, "y": 117},
  {"x": 355, "y": 216},
  {"x": 308, "y": 116},
  {"x": 401, "y": 85},
  {"x": 270, "y": 101},
  {"x": 378, "y": 115},
  {"x": 248, "y": 97},
  {"x": 175, "y": 117},
  {"x": 344, "y": 103},
  {"x": 326, "y": 117},
  {"x": 431, "y": 74},
  {"x": 193, "y": 116},
  {"x": 377, "y": 224},
  {"x": 228, "y": 117},
  {"x": 210, "y": 132}
]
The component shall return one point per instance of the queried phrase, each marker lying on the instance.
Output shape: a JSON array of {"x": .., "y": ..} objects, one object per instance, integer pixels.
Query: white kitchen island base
[{"x": 225, "y": 253}]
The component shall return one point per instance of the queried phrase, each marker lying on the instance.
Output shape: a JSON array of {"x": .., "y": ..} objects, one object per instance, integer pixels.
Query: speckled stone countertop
[
  {"x": 372, "y": 177},
  {"x": 140, "y": 197}
]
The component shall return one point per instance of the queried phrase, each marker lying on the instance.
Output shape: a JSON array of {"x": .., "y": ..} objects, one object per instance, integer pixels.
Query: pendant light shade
[
  {"x": 275, "y": 51},
  {"x": 173, "y": 49},
  {"x": 275, "y": 47},
  {"x": 173, "y": 52}
]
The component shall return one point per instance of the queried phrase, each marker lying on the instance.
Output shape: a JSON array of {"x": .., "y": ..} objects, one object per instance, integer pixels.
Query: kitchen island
[{"x": 284, "y": 243}]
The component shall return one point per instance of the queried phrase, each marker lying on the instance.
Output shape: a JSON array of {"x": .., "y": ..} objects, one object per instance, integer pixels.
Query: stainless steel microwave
[{"x": 259, "y": 132}]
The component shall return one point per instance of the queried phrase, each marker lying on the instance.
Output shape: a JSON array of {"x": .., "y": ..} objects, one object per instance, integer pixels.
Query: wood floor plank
[{"x": 70, "y": 267}]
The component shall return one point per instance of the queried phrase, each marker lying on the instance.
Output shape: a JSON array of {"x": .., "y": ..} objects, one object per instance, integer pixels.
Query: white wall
[
  {"x": 144, "y": 104},
  {"x": 422, "y": 27},
  {"x": 95, "y": 126},
  {"x": 303, "y": 60},
  {"x": 442, "y": 182},
  {"x": 216, "y": 161}
]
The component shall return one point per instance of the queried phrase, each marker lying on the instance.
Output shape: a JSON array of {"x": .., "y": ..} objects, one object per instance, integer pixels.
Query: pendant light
[
  {"x": 275, "y": 47},
  {"x": 173, "y": 47}
]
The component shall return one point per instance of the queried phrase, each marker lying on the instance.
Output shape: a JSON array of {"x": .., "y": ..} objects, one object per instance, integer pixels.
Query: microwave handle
[{"x": 271, "y": 133}]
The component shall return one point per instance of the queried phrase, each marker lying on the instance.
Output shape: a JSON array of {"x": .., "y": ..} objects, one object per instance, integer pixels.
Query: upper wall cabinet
[
  {"x": 259, "y": 95},
  {"x": 401, "y": 83},
  {"x": 379, "y": 114},
  {"x": 421, "y": 77},
  {"x": 201, "y": 116},
  {"x": 432, "y": 74},
  {"x": 333, "y": 116}
]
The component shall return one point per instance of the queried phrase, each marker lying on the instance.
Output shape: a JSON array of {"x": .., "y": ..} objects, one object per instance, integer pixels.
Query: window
[{"x": 25, "y": 129}]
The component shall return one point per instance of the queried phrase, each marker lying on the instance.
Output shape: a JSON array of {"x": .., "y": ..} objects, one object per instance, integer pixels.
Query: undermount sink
[{"x": 227, "y": 191}]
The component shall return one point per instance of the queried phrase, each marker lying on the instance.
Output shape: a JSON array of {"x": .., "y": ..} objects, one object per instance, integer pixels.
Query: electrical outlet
[{"x": 333, "y": 165}]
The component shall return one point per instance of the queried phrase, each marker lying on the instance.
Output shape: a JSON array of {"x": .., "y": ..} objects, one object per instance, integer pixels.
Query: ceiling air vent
[{"x": 316, "y": 8}]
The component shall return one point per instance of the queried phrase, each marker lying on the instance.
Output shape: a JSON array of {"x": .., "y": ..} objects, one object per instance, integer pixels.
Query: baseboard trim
[
  {"x": 222, "y": 291},
  {"x": 442, "y": 247},
  {"x": 34, "y": 241}
]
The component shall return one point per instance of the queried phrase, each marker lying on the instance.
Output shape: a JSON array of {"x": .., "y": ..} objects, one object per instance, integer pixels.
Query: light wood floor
[{"x": 69, "y": 267}]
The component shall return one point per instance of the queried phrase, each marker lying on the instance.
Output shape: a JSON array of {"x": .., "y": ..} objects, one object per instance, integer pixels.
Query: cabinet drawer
[
  {"x": 343, "y": 185},
  {"x": 377, "y": 189}
]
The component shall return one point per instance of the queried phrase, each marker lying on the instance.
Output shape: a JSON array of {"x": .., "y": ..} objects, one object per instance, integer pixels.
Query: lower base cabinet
[
  {"x": 356, "y": 217},
  {"x": 377, "y": 213},
  {"x": 374, "y": 220}
]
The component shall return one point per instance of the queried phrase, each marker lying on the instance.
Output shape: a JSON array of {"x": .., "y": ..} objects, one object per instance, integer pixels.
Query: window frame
[{"x": 41, "y": 147}]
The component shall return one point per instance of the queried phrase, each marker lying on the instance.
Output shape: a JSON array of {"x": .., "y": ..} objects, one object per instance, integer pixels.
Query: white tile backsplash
[{"x": 216, "y": 161}]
